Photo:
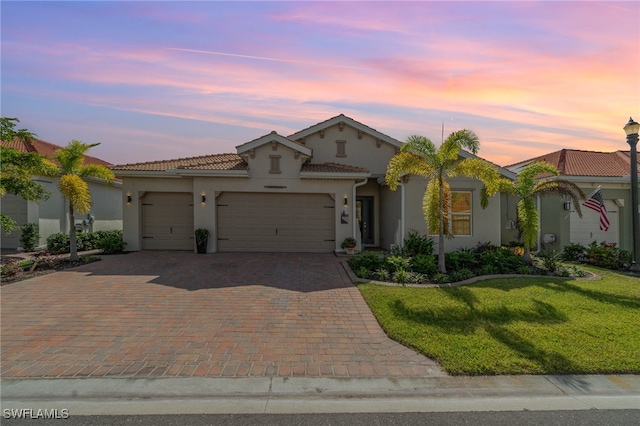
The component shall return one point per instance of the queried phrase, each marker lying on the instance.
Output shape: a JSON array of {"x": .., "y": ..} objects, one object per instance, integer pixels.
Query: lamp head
[{"x": 631, "y": 127}]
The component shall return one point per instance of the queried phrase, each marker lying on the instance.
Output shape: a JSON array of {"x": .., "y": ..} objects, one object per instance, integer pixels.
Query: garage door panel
[
  {"x": 167, "y": 221},
  {"x": 585, "y": 230},
  {"x": 275, "y": 222}
]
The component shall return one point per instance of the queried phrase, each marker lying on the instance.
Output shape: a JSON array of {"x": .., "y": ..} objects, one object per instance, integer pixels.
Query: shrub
[
  {"x": 574, "y": 252},
  {"x": 551, "y": 261},
  {"x": 459, "y": 259},
  {"x": 381, "y": 275},
  {"x": 461, "y": 275},
  {"x": 607, "y": 255},
  {"x": 401, "y": 276},
  {"x": 424, "y": 264},
  {"x": 11, "y": 268},
  {"x": 398, "y": 263},
  {"x": 417, "y": 244},
  {"x": 58, "y": 243},
  {"x": 30, "y": 236},
  {"x": 500, "y": 261},
  {"x": 362, "y": 272},
  {"x": 369, "y": 260},
  {"x": 111, "y": 242},
  {"x": 417, "y": 278},
  {"x": 441, "y": 278}
]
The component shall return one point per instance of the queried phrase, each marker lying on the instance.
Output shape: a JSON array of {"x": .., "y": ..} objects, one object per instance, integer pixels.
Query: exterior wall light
[
  {"x": 128, "y": 198},
  {"x": 203, "y": 198}
]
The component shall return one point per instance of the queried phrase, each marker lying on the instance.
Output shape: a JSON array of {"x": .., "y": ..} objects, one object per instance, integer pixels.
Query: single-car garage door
[
  {"x": 276, "y": 222},
  {"x": 585, "y": 230},
  {"x": 167, "y": 221}
]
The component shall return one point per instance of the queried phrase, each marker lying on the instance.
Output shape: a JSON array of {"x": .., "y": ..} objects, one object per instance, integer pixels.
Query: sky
[{"x": 157, "y": 80}]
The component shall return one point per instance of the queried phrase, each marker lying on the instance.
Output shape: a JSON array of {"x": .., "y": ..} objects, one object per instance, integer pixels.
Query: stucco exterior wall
[
  {"x": 554, "y": 219},
  {"x": 485, "y": 226},
  {"x": 260, "y": 164},
  {"x": 508, "y": 218},
  {"x": 212, "y": 187},
  {"x": 365, "y": 152},
  {"x": 52, "y": 215},
  {"x": 390, "y": 212}
]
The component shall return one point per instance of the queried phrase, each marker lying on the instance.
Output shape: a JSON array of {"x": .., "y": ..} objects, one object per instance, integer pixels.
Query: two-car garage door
[
  {"x": 245, "y": 222},
  {"x": 275, "y": 222}
]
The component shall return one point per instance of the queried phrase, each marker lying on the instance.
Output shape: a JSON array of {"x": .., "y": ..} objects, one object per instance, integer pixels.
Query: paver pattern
[{"x": 178, "y": 314}]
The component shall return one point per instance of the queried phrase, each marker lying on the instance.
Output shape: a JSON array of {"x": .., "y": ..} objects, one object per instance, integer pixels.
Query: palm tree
[
  {"x": 419, "y": 156},
  {"x": 527, "y": 187},
  {"x": 71, "y": 173}
]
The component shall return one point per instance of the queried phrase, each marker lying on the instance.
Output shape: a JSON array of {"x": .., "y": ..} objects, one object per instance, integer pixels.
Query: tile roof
[
  {"x": 204, "y": 162},
  {"x": 332, "y": 168},
  {"x": 46, "y": 149},
  {"x": 573, "y": 162}
]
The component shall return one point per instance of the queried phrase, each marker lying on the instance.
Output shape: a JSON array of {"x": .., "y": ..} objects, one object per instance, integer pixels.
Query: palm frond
[
  {"x": 560, "y": 187},
  {"x": 451, "y": 147},
  {"x": 97, "y": 171},
  {"x": 71, "y": 158},
  {"x": 528, "y": 221},
  {"x": 406, "y": 163},
  {"x": 76, "y": 190},
  {"x": 421, "y": 146},
  {"x": 431, "y": 206}
]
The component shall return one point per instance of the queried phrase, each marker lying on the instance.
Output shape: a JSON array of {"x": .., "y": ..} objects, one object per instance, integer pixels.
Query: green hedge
[{"x": 108, "y": 241}]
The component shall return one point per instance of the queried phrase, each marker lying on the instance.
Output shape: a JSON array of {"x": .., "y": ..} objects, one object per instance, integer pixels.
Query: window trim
[
  {"x": 274, "y": 166},
  {"x": 341, "y": 148},
  {"x": 470, "y": 214}
]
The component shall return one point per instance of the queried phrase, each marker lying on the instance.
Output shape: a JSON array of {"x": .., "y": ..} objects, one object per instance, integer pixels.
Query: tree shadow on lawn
[
  {"x": 461, "y": 320},
  {"x": 567, "y": 286}
]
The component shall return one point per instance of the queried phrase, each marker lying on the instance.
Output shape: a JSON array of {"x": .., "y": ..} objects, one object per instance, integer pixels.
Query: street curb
[{"x": 288, "y": 395}]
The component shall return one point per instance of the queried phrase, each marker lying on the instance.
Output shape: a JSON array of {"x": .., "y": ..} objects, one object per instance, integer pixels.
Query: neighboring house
[
  {"x": 304, "y": 192},
  {"x": 589, "y": 170},
  {"x": 52, "y": 215}
]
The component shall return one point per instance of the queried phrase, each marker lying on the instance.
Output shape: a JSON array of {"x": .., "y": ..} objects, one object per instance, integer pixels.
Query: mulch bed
[{"x": 41, "y": 269}]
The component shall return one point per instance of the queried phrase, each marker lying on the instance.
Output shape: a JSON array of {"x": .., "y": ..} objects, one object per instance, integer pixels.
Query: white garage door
[
  {"x": 167, "y": 221},
  {"x": 587, "y": 229},
  {"x": 276, "y": 222}
]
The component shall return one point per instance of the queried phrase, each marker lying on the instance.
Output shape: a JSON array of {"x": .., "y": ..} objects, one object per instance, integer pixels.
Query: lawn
[{"x": 518, "y": 325}]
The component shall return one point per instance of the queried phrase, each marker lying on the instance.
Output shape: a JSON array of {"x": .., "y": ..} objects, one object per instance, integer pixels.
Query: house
[
  {"x": 560, "y": 223},
  {"x": 303, "y": 192},
  {"x": 52, "y": 215}
]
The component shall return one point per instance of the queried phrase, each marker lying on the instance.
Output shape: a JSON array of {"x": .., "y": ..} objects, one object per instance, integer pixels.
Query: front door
[{"x": 364, "y": 214}]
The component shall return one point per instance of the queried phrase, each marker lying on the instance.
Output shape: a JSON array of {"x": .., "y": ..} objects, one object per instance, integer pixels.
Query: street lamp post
[{"x": 631, "y": 129}]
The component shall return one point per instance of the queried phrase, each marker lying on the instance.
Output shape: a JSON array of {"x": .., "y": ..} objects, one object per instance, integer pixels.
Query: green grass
[{"x": 518, "y": 325}]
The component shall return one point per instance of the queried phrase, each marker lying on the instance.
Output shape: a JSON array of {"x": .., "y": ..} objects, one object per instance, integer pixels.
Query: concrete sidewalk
[{"x": 201, "y": 395}]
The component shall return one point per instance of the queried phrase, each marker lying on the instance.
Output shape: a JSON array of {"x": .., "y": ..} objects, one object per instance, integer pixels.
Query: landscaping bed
[{"x": 16, "y": 268}]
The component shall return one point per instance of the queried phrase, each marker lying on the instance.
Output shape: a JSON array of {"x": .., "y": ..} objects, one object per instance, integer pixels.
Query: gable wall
[
  {"x": 359, "y": 152},
  {"x": 260, "y": 165}
]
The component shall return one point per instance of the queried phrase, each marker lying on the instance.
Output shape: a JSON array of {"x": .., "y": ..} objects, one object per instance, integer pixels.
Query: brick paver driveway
[{"x": 181, "y": 314}]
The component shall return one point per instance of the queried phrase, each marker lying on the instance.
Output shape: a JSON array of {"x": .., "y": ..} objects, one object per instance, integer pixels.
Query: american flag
[{"x": 595, "y": 202}]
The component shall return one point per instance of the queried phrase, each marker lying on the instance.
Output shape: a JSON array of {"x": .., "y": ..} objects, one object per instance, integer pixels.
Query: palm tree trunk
[
  {"x": 441, "y": 264},
  {"x": 527, "y": 255},
  {"x": 73, "y": 245}
]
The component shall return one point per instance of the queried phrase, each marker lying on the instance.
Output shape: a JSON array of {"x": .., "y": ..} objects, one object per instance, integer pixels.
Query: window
[
  {"x": 460, "y": 217},
  {"x": 341, "y": 147},
  {"x": 275, "y": 164},
  {"x": 460, "y": 213}
]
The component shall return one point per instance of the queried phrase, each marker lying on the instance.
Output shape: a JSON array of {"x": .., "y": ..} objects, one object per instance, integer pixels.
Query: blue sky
[{"x": 160, "y": 80}]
